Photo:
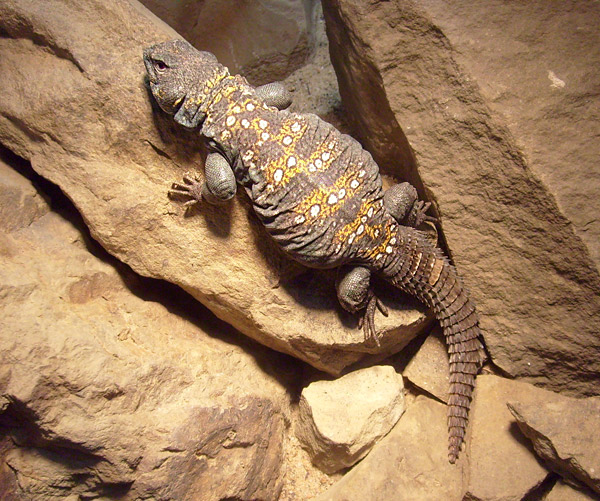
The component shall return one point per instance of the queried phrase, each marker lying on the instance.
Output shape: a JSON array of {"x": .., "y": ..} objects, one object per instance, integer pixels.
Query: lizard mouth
[{"x": 150, "y": 68}]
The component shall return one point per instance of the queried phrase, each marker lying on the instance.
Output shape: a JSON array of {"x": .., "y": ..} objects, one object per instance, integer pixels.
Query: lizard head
[{"x": 181, "y": 78}]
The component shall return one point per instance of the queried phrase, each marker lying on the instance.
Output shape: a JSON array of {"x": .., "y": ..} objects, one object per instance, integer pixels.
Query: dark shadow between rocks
[
  {"x": 541, "y": 491},
  {"x": 517, "y": 434}
]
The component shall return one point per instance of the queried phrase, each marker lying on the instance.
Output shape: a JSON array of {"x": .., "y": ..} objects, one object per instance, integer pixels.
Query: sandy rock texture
[
  {"x": 106, "y": 392},
  {"x": 341, "y": 420},
  {"x": 75, "y": 105},
  {"x": 428, "y": 368},
  {"x": 564, "y": 433},
  {"x": 397, "y": 468},
  {"x": 491, "y": 109},
  {"x": 502, "y": 462},
  {"x": 562, "y": 491}
]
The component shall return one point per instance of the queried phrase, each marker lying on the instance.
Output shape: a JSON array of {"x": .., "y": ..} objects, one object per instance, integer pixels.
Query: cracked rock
[{"x": 341, "y": 420}]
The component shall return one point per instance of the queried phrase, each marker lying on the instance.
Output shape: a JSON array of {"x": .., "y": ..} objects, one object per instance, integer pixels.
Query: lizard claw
[
  {"x": 367, "y": 320},
  {"x": 417, "y": 215},
  {"x": 192, "y": 189}
]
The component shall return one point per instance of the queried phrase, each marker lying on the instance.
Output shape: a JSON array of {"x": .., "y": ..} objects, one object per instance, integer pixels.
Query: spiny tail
[{"x": 425, "y": 272}]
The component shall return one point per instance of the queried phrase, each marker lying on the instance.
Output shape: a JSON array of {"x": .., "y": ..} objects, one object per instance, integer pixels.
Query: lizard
[{"x": 320, "y": 196}]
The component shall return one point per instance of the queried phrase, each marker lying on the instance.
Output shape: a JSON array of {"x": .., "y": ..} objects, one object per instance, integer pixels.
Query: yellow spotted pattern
[
  {"x": 329, "y": 198},
  {"x": 218, "y": 77},
  {"x": 323, "y": 201},
  {"x": 363, "y": 227}
]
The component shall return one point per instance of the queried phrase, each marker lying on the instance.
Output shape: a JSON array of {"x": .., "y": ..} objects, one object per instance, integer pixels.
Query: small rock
[
  {"x": 564, "y": 432},
  {"x": 341, "y": 420},
  {"x": 410, "y": 463},
  {"x": 503, "y": 465}
]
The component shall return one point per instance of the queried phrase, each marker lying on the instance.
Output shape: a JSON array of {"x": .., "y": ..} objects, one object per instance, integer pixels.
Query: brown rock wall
[{"x": 428, "y": 74}]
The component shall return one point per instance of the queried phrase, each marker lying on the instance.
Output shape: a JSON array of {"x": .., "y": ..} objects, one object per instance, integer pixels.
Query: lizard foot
[
  {"x": 367, "y": 320},
  {"x": 417, "y": 215},
  {"x": 192, "y": 189}
]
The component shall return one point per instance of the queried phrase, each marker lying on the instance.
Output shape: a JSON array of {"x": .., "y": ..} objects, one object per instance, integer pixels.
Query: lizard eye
[{"x": 160, "y": 66}]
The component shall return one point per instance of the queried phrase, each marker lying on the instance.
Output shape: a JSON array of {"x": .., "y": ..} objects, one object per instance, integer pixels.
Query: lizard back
[{"x": 317, "y": 191}]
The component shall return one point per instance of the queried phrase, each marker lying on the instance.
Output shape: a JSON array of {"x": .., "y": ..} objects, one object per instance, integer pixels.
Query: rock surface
[
  {"x": 75, "y": 105},
  {"x": 268, "y": 38},
  {"x": 107, "y": 392},
  {"x": 564, "y": 433},
  {"x": 428, "y": 368},
  {"x": 564, "y": 492},
  {"x": 507, "y": 154},
  {"x": 341, "y": 420},
  {"x": 410, "y": 463},
  {"x": 502, "y": 463}
]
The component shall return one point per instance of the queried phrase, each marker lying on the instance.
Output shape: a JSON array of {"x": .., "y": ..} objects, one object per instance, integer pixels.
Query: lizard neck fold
[{"x": 196, "y": 103}]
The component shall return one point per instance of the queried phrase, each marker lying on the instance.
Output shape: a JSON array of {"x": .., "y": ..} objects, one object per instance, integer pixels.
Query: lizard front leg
[
  {"x": 274, "y": 94},
  {"x": 354, "y": 294},
  {"x": 219, "y": 183}
]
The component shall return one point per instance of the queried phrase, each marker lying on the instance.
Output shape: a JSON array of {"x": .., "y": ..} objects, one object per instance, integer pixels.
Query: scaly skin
[{"x": 319, "y": 195}]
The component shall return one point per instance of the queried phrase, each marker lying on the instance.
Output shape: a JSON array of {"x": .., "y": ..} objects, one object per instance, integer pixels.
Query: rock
[
  {"x": 452, "y": 97},
  {"x": 75, "y": 105},
  {"x": 105, "y": 392},
  {"x": 410, "y": 463},
  {"x": 21, "y": 203},
  {"x": 341, "y": 420},
  {"x": 564, "y": 492},
  {"x": 428, "y": 368},
  {"x": 564, "y": 433},
  {"x": 502, "y": 464},
  {"x": 270, "y": 37}
]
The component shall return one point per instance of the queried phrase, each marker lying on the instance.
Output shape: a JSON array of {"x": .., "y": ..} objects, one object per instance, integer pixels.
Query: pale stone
[
  {"x": 21, "y": 203},
  {"x": 410, "y": 463},
  {"x": 75, "y": 104},
  {"x": 452, "y": 97},
  {"x": 341, "y": 420},
  {"x": 564, "y": 432},
  {"x": 502, "y": 463}
]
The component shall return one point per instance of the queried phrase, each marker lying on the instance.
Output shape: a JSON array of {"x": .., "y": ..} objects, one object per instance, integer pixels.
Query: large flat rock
[
  {"x": 491, "y": 109},
  {"x": 564, "y": 433},
  {"x": 106, "y": 392},
  {"x": 74, "y": 103},
  {"x": 410, "y": 463},
  {"x": 502, "y": 462}
]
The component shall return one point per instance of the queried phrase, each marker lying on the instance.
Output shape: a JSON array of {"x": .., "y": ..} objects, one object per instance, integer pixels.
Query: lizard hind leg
[
  {"x": 401, "y": 201},
  {"x": 355, "y": 294}
]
